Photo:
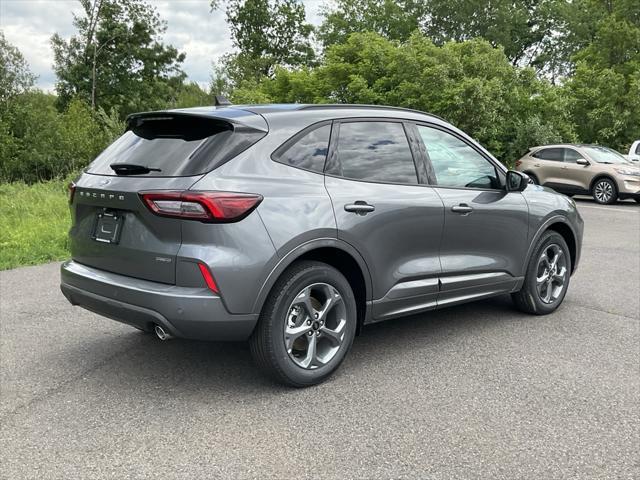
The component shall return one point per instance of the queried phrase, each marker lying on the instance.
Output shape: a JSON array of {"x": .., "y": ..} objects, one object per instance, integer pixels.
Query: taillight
[
  {"x": 518, "y": 163},
  {"x": 213, "y": 207},
  {"x": 208, "y": 278},
  {"x": 71, "y": 191}
]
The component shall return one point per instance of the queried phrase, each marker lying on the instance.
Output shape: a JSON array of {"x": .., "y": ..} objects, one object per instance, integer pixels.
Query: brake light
[
  {"x": 212, "y": 207},
  {"x": 71, "y": 191},
  {"x": 518, "y": 163},
  {"x": 208, "y": 278}
]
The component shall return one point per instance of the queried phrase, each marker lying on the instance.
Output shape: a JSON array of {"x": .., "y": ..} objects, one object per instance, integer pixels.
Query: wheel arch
[
  {"x": 340, "y": 255},
  {"x": 560, "y": 225},
  {"x": 533, "y": 176},
  {"x": 600, "y": 176}
]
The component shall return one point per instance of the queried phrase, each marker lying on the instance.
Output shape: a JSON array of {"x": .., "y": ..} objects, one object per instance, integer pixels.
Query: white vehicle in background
[{"x": 634, "y": 152}]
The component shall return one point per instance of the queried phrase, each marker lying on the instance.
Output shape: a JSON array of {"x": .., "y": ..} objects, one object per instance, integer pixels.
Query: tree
[
  {"x": 605, "y": 87},
  {"x": 117, "y": 59},
  {"x": 392, "y": 19},
  {"x": 266, "y": 33},
  {"x": 471, "y": 84},
  {"x": 15, "y": 76},
  {"x": 521, "y": 28}
]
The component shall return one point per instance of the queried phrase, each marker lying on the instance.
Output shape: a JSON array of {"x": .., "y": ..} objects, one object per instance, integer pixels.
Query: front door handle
[
  {"x": 463, "y": 208},
  {"x": 359, "y": 207}
]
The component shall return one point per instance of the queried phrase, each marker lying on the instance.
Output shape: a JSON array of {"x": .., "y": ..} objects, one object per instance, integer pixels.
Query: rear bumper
[{"x": 185, "y": 312}]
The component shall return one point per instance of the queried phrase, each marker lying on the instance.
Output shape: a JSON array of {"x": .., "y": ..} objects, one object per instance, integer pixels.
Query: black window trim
[
  {"x": 500, "y": 169},
  {"x": 288, "y": 143},
  {"x": 333, "y": 148}
]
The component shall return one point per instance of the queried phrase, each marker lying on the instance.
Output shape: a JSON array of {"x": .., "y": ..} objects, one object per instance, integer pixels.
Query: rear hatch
[{"x": 112, "y": 228}]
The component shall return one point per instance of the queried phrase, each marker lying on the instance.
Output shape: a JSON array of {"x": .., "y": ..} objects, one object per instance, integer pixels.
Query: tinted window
[
  {"x": 553, "y": 154},
  {"x": 455, "y": 163},
  {"x": 374, "y": 151},
  {"x": 638, "y": 149},
  {"x": 308, "y": 152},
  {"x": 570, "y": 155},
  {"x": 179, "y": 145}
]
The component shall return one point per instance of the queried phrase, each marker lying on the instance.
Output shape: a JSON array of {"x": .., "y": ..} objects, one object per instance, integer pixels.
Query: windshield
[{"x": 605, "y": 155}]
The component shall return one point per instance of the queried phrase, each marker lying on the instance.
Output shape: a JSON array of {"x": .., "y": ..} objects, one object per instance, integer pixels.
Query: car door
[
  {"x": 382, "y": 210},
  {"x": 547, "y": 166},
  {"x": 484, "y": 238},
  {"x": 576, "y": 176}
]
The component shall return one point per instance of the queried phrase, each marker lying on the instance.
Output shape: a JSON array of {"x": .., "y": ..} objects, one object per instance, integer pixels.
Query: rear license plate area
[{"x": 108, "y": 227}]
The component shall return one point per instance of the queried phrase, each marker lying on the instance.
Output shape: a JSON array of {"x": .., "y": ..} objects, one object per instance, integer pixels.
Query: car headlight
[{"x": 628, "y": 171}]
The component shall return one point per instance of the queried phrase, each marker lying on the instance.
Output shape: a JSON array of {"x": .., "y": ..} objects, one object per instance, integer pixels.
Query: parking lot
[{"x": 476, "y": 391}]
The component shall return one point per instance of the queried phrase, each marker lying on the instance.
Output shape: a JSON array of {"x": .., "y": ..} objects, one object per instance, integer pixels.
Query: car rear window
[{"x": 175, "y": 145}]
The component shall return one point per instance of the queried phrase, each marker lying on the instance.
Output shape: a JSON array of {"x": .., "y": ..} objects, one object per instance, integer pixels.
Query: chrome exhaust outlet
[{"x": 162, "y": 334}]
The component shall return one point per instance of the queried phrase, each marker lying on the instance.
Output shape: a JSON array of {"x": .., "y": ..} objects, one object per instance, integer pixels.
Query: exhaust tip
[{"x": 162, "y": 334}]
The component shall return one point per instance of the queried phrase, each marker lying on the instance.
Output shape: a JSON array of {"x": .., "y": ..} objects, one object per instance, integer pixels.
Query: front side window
[
  {"x": 308, "y": 152},
  {"x": 374, "y": 152},
  {"x": 551, "y": 154},
  {"x": 570, "y": 155},
  {"x": 455, "y": 163}
]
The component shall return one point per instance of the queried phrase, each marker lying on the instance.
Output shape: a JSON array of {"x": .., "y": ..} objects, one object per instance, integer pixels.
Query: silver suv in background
[
  {"x": 583, "y": 170},
  {"x": 293, "y": 226}
]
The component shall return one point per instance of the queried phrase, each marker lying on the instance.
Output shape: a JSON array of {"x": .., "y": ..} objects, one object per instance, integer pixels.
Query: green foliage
[
  {"x": 605, "y": 87},
  {"x": 266, "y": 33},
  {"x": 521, "y": 28},
  {"x": 471, "y": 84},
  {"x": 15, "y": 76},
  {"x": 116, "y": 60},
  {"x": 34, "y": 221},
  {"x": 39, "y": 143}
]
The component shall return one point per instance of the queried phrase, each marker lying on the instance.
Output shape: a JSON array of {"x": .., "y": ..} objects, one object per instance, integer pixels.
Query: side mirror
[
  {"x": 516, "y": 181},
  {"x": 582, "y": 161}
]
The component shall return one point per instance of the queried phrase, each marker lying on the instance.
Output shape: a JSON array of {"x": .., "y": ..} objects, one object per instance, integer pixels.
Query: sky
[{"x": 191, "y": 27}]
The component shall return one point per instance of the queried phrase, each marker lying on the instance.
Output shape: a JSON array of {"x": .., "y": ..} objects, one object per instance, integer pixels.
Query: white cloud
[{"x": 191, "y": 27}]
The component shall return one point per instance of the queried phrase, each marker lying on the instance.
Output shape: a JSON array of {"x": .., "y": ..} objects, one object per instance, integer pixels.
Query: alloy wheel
[
  {"x": 603, "y": 191},
  {"x": 552, "y": 273},
  {"x": 315, "y": 327}
]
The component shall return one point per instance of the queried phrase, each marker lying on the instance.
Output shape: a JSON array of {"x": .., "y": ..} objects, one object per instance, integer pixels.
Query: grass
[{"x": 34, "y": 221}]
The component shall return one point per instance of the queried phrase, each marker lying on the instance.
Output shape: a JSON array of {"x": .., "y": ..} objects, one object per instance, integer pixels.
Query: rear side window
[
  {"x": 374, "y": 152},
  {"x": 308, "y": 151},
  {"x": 175, "y": 145},
  {"x": 552, "y": 154}
]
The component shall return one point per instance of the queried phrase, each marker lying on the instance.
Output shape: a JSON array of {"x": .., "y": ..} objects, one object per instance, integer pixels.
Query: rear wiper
[{"x": 132, "y": 169}]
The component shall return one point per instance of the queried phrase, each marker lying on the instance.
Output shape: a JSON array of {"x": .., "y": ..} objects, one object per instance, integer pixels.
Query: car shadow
[{"x": 141, "y": 361}]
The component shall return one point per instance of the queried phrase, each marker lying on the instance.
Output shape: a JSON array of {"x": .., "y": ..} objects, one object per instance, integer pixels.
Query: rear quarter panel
[{"x": 295, "y": 209}]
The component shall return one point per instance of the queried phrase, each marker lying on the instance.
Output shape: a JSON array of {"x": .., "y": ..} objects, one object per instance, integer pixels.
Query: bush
[{"x": 39, "y": 143}]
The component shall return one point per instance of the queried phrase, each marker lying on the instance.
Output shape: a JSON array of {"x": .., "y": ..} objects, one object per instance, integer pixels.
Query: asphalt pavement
[{"x": 476, "y": 391}]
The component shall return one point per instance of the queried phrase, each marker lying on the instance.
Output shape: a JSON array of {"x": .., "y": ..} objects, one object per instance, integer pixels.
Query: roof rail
[{"x": 365, "y": 106}]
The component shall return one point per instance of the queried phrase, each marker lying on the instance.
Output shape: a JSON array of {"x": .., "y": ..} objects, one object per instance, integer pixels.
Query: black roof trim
[{"x": 364, "y": 106}]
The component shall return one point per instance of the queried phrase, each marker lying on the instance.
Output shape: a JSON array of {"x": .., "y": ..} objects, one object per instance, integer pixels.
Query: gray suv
[{"x": 293, "y": 226}]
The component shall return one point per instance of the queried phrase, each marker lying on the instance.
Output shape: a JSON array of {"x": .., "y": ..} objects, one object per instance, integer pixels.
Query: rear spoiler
[{"x": 238, "y": 119}]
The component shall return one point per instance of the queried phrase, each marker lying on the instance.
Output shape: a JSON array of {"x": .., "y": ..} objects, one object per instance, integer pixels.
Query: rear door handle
[
  {"x": 359, "y": 207},
  {"x": 463, "y": 208}
]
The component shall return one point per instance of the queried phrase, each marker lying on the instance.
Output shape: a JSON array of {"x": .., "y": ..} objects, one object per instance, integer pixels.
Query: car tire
[
  {"x": 534, "y": 178},
  {"x": 299, "y": 303},
  {"x": 538, "y": 297},
  {"x": 604, "y": 191}
]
